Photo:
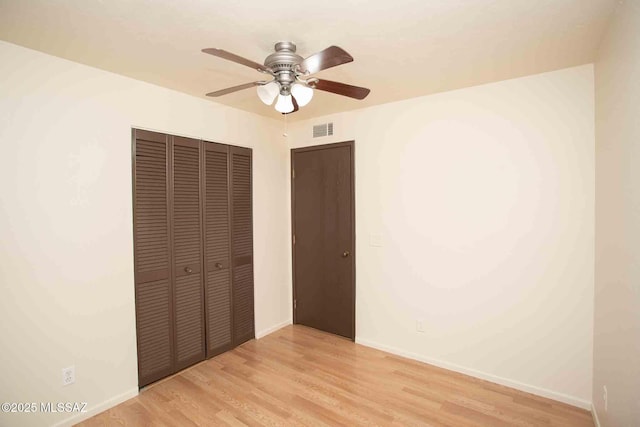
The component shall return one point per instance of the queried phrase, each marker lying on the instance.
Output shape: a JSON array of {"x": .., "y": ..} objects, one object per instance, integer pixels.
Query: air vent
[{"x": 325, "y": 129}]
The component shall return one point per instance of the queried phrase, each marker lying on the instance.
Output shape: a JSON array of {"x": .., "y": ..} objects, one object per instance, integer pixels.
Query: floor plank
[{"x": 299, "y": 376}]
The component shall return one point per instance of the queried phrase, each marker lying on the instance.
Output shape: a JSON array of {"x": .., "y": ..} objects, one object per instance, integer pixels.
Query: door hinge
[
  {"x": 293, "y": 173},
  {"x": 294, "y": 239},
  {"x": 295, "y": 304}
]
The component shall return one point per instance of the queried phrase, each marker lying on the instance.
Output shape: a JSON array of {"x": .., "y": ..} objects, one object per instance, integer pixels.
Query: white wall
[
  {"x": 484, "y": 198},
  {"x": 617, "y": 279},
  {"x": 66, "y": 251}
]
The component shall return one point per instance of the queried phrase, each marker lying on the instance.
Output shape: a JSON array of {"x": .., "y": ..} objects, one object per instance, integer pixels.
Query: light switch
[{"x": 375, "y": 240}]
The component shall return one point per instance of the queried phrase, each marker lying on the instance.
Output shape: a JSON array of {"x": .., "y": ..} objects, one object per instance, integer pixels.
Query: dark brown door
[
  {"x": 242, "y": 245},
  {"x": 323, "y": 237},
  {"x": 193, "y": 251},
  {"x": 187, "y": 244},
  {"x": 217, "y": 249},
  {"x": 152, "y": 254}
]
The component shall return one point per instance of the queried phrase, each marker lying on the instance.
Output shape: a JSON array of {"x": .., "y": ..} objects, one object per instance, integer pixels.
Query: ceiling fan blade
[
  {"x": 295, "y": 106},
  {"x": 342, "y": 89},
  {"x": 237, "y": 59},
  {"x": 234, "y": 89},
  {"x": 330, "y": 57}
]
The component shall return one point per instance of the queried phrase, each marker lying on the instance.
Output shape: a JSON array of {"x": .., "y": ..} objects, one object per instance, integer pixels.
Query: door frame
[{"x": 351, "y": 145}]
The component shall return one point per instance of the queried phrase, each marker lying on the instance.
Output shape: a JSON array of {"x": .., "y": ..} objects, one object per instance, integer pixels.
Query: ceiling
[{"x": 402, "y": 48}]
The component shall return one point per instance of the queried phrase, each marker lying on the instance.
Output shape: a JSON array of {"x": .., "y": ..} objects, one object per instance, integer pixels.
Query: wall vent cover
[{"x": 325, "y": 129}]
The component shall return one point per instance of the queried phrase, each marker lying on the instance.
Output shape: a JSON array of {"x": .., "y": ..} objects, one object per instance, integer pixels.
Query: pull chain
[{"x": 285, "y": 126}]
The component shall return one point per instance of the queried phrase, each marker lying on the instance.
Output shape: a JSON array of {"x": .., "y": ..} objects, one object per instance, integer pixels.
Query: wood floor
[{"x": 300, "y": 376}]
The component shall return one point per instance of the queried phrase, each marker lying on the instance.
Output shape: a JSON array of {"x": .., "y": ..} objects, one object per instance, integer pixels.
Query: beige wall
[
  {"x": 484, "y": 201},
  {"x": 617, "y": 284},
  {"x": 66, "y": 254}
]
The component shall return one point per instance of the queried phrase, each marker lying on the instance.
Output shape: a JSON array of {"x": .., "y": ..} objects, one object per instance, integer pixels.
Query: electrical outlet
[
  {"x": 68, "y": 375},
  {"x": 605, "y": 397},
  {"x": 420, "y": 326}
]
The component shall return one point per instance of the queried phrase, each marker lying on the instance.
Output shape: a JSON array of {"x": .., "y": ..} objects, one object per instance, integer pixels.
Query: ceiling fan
[{"x": 290, "y": 82}]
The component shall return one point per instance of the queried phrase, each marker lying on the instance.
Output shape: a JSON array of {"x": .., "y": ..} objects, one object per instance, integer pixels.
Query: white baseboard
[
  {"x": 96, "y": 409},
  {"x": 272, "y": 329},
  {"x": 594, "y": 414},
  {"x": 560, "y": 397}
]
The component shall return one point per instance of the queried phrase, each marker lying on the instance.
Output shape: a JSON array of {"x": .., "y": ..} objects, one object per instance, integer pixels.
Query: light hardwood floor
[{"x": 301, "y": 376}]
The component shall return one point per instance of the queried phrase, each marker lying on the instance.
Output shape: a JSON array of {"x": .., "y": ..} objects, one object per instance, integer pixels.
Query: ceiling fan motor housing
[{"x": 283, "y": 62}]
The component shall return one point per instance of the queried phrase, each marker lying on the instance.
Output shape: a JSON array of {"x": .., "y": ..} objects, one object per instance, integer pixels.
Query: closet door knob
[
  {"x": 219, "y": 265},
  {"x": 188, "y": 270},
  {"x": 345, "y": 254}
]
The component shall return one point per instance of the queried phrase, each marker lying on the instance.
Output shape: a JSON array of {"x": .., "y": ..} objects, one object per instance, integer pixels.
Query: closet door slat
[
  {"x": 217, "y": 249},
  {"x": 187, "y": 249},
  {"x": 153, "y": 290},
  {"x": 242, "y": 245}
]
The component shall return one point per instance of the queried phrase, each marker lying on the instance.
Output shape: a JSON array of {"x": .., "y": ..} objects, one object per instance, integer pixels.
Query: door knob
[
  {"x": 188, "y": 270},
  {"x": 219, "y": 265},
  {"x": 345, "y": 254}
]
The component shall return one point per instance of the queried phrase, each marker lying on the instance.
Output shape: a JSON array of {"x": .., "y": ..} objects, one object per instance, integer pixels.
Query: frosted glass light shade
[
  {"x": 268, "y": 92},
  {"x": 302, "y": 93},
  {"x": 284, "y": 104}
]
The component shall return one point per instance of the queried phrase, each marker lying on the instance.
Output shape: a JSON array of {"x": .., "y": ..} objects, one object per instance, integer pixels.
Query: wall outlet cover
[{"x": 68, "y": 375}]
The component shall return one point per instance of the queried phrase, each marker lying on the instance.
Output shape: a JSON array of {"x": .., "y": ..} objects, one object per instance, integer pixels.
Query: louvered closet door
[
  {"x": 242, "y": 245},
  {"x": 187, "y": 239},
  {"x": 153, "y": 290},
  {"x": 217, "y": 249}
]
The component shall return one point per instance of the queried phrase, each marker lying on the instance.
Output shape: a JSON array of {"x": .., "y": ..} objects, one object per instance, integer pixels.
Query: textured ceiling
[{"x": 402, "y": 48}]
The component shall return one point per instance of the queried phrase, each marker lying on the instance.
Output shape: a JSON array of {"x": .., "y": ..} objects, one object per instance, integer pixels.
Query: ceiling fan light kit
[
  {"x": 284, "y": 104},
  {"x": 268, "y": 92},
  {"x": 291, "y": 84},
  {"x": 302, "y": 93}
]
